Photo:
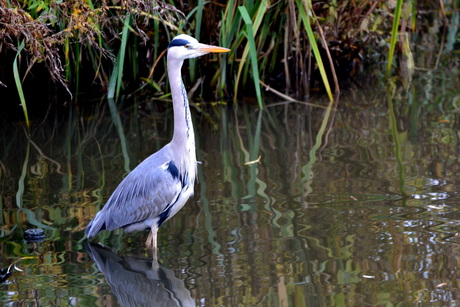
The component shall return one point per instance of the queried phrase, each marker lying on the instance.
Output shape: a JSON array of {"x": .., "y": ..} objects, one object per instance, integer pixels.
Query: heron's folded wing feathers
[{"x": 143, "y": 194}]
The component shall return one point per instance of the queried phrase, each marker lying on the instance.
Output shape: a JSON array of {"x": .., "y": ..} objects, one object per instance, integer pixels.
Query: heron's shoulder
[
  {"x": 159, "y": 158},
  {"x": 154, "y": 167}
]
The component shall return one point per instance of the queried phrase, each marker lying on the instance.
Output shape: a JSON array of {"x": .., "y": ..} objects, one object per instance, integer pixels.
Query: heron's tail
[{"x": 94, "y": 227}]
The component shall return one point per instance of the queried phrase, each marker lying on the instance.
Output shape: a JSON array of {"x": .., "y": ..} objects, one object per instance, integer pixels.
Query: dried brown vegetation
[
  {"x": 50, "y": 32},
  {"x": 41, "y": 42}
]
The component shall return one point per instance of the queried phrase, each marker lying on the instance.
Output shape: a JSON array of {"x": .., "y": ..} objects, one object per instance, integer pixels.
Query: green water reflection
[{"x": 366, "y": 214}]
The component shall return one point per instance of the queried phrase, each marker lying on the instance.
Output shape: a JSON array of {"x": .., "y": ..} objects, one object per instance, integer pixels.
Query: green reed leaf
[
  {"x": 18, "y": 83},
  {"x": 117, "y": 73},
  {"x": 314, "y": 46},
  {"x": 251, "y": 48},
  {"x": 394, "y": 36}
]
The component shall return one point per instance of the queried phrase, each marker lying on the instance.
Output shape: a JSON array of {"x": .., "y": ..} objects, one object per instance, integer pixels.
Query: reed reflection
[{"x": 138, "y": 281}]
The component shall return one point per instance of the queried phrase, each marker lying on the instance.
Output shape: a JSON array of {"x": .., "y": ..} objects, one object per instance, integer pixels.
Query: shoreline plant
[{"x": 116, "y": 47}]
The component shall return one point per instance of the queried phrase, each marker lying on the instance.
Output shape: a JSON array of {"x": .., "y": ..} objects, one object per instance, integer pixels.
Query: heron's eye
[{"x": 187, "y": 46}]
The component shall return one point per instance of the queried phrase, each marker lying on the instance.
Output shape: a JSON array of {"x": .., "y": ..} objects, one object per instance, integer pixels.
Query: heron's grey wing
[{"x": 144, "y": 194}]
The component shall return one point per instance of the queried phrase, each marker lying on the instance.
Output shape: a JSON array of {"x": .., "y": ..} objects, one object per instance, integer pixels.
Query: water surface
[{"x": 290, "y": 209}]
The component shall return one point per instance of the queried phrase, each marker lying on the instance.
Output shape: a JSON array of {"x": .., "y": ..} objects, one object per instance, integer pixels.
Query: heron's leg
[
  {"x": 152, "y": 245},
  {"x": 152, "y": 238}
]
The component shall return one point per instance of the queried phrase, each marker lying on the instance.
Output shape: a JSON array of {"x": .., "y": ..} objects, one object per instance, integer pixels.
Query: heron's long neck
[{"x": 184, "y": 137}]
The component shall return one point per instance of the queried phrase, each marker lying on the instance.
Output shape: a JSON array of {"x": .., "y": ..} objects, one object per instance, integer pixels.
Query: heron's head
[{"x": 186, "y": 47}]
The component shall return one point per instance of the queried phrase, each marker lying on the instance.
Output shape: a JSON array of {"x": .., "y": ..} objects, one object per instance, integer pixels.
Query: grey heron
[{"x": 159, "y": 186}]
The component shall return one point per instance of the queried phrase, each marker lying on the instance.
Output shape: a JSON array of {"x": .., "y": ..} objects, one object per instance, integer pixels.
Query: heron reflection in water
[
  {"x": 137, "y": 281},
  {"x": 159, "y": 186}
]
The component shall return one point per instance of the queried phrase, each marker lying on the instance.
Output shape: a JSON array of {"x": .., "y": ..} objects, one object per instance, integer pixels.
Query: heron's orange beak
[{"x": 214, "y": 49}]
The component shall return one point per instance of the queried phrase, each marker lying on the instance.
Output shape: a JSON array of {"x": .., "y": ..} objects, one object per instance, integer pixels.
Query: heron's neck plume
[
  {"x": 183, "y": 141},
  {"x": 183, "y": 128}
]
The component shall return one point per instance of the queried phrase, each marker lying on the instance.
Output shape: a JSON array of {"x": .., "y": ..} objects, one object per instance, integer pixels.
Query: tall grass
[
  {"x": 251, "y": 49},
  {"x": 394, "y": 36},
  {"x": 18, "y": 83},
  {"x": 117, "y": 73},
  {"x": 276, "y": 44},
  {"x": 304, "y": 7}
]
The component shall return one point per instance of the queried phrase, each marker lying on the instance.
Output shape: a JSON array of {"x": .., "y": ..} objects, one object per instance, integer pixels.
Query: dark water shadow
[{"x": 138, "y": 281}]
